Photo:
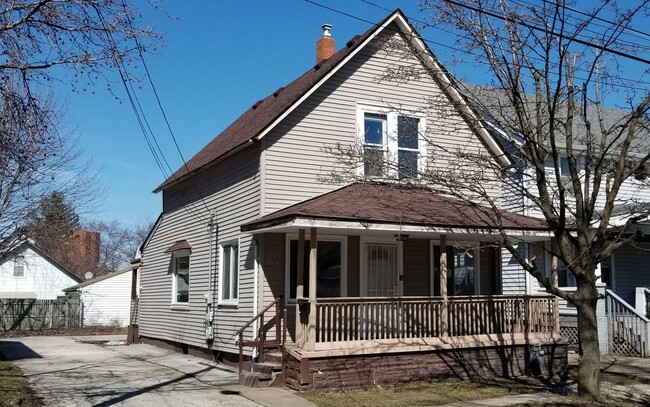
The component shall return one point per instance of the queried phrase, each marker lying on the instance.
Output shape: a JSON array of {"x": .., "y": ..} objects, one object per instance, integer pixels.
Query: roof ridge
[{"x": 262, "y": 114}]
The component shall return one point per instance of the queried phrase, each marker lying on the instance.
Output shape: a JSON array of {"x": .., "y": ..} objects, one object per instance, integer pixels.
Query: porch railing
[
  {"x": 629, "y": 330},
  {"x": 355, "y": 319}
]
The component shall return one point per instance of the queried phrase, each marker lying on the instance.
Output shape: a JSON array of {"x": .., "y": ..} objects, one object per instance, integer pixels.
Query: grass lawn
[
  {"x": 453, "y": 390},
  {"x": 14, "y": 389},
  {"x": 422, "y": 393}
]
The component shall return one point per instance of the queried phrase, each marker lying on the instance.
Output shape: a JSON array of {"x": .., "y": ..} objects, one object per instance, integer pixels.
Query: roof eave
[{"x": 305, "y": 221}]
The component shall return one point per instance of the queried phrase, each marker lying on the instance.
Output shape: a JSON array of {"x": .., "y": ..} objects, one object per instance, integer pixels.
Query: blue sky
[{"x": 218, "y": 58}]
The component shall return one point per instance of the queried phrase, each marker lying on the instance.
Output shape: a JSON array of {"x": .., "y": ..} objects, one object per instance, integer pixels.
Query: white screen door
[{"x": 382, "y": 270}]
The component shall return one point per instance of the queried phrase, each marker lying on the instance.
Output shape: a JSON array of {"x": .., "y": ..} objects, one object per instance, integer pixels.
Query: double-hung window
[
  {"x": 19, "y": 268},
  {"x": 393, "y": 146},
  {"x": 375, "y": 144},
  {"x": 408, "y": 149},
  {"x": 181, "y": 282},
  {"x": 229, "y": 287}
]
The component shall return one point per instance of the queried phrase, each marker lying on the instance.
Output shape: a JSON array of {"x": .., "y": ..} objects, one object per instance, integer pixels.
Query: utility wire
[
  {"x": 600, "y": 19},
  {"x": 626, "y": 82},
  {"x": 556, "y": 34},
  {"x": 140, "y": 116},
  {"x": 164, "y": 115}
]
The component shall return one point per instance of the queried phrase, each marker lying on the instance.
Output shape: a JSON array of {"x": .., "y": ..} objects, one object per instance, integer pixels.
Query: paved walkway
[{"x": 70, "y": 371}]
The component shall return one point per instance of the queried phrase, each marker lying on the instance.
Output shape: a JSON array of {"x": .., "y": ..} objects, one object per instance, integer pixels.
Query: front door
[{"x": 381, "y": 269}]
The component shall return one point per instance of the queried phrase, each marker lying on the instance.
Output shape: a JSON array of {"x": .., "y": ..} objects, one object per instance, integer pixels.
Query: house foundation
[{"x": 354, "y": 371}]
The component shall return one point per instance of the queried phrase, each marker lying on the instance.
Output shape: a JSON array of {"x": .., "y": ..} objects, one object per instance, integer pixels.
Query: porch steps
[{"x": 263, "y": 374}]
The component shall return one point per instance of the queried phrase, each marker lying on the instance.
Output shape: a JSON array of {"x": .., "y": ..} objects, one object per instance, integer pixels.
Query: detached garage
[{"x": 106, "y": 299}]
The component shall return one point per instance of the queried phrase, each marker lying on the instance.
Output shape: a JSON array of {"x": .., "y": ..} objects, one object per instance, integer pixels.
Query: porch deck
[{"x": 363, "y": 325}]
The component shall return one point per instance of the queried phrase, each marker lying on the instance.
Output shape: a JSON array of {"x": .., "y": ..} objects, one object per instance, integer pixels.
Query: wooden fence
[{"x": 34, "y": 315}]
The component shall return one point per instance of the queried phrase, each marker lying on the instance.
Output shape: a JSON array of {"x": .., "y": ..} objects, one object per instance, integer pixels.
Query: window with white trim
[
  {"x": 393, "y": 143},
  {"x": 181, "y": 279},
  {"x": 229, "y": 273},
  {"x": 564, "y": 165},
  {"x": 19, "y": 268}
]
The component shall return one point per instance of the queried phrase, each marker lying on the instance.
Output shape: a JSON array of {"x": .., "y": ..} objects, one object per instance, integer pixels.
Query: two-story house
[
  {"x": 623, "y": 277},
  {"x": 381, "y": 281}
]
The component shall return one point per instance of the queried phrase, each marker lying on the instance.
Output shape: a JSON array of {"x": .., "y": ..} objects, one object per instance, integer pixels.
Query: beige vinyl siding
[
  {"x": 294, "y": 158},
  {"x": 354, "y": 266},
  {"x": 230, "y": 191},
  {"x": 416, "y": 280}
]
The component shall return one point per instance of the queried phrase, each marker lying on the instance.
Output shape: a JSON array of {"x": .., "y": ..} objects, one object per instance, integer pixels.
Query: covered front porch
[{"x": 365, "y": 274}]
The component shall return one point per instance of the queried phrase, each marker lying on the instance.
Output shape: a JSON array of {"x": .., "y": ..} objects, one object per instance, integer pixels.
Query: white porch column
[
  {"x": 444, "y": 312},
  {"x": 300, "y": 287},
  {"x": 601, "y": 318},
  {"x": 313, "y": 259}
]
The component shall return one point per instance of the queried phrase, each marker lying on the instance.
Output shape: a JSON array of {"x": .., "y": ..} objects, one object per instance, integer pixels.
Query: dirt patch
[{"x": 87, "y": 330}]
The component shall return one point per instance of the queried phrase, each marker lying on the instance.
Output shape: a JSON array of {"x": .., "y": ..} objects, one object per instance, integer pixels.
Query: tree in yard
[
  {"x": 579, "y": 165},
  {"x": 76, "y": 42},
  {"x": 118, "y": 243},
  {"x": 51, "y": 224}
]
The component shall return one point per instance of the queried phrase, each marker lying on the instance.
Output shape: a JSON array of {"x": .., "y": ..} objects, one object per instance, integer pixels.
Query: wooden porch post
[
  {"x": 556, "y": 305},
  {"x": 300, "y": 287},
  {"x": 313, "y": 259},
  {"x": 444, "y": 314}
]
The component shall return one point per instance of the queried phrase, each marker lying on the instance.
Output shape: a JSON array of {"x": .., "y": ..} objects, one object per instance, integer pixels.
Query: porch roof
[{"x": 410, "y": 207}]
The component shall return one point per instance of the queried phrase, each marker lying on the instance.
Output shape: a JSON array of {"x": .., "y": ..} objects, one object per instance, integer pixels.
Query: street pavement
[{"x": 102, "y": 371}]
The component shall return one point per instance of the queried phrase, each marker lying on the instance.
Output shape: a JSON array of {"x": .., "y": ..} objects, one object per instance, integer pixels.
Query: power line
[
  {"x": 164, "y": 115},
  {"x": 586, "y": 28},
  {"x": 600, "y": 19},
  {"x": 621, "y": 85},
  {"x": 141, "y": 117},
  {"x": 556, "y": 34}
]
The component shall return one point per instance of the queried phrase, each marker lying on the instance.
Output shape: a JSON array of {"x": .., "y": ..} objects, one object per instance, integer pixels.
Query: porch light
[{"x": 401, "y": 237}]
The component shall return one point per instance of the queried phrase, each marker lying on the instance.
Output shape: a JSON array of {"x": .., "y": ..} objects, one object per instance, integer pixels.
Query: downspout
[
  {"x": 255, "y": 293},
  {"x": 210, "y": 315}
]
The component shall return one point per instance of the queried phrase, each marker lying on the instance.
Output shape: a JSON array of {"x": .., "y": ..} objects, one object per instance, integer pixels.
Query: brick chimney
[{"x": 326, "y": 45}]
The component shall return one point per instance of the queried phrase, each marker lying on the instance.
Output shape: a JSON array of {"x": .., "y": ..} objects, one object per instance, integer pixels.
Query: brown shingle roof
[
  {"x": 392, "y": 203},
  {"x": 178, "y": 246},
  {"x": 264, "y": 112}
]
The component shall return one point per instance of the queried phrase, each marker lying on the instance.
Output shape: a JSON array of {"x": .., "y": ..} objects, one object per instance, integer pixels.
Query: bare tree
[
  {"x": 118, "y": 243},
  {"x": 87, "y": 39},
  {"x": 553, "y": 69}
]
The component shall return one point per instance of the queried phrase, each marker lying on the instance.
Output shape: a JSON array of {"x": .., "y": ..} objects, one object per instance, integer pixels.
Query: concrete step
[
  {"x": 261, "y": 380},
  {"x": 266, "y": 367}
]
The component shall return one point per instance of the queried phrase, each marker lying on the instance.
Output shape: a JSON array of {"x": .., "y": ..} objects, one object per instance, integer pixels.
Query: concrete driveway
[{"x": 68, "y": 371}]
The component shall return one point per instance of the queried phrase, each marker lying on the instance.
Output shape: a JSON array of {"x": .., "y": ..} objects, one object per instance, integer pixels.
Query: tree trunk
[{"x": 589, "y": 367}]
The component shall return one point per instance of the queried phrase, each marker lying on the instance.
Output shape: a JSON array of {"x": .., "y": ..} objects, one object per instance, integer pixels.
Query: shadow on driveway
[{"x": 13, "y": 350}]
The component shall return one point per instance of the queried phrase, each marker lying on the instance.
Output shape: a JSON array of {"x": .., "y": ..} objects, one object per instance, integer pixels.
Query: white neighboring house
[
  {"x": 27, "y": 272},
  {"x": 106, "y": 299}
]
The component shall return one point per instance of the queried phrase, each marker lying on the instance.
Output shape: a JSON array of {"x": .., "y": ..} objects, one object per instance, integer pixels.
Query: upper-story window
[
  {"x": 408, "y": 148},
  {"x": 564, "y": 165},
  {"x": 393, "y": 146},
  {"x": 19, "y": 268}
]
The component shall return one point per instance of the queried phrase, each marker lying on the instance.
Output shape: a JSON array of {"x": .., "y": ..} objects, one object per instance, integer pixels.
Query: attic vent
[
  {"x": 257, "y": 104},
  {"x": 277, "y": 92},
  {"x": 354, "y": 39}
]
